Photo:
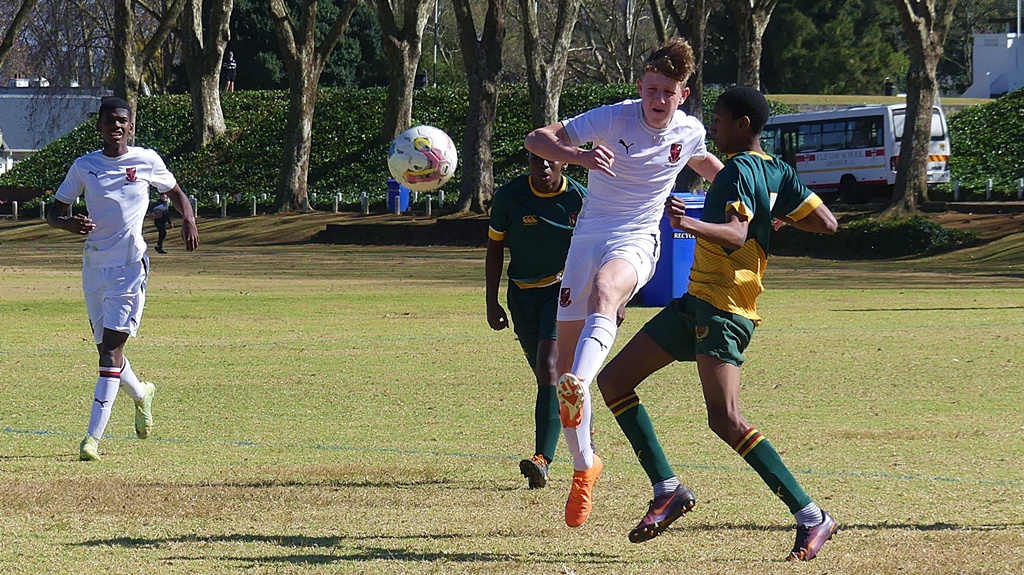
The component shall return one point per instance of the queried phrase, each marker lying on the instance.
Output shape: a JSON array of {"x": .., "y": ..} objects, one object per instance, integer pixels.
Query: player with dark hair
[
  {"x": 534, "y": 215},
  {"x": 713, "y": 323},
  {"x": 116, "y": 182},
  {"x": 639, "y": 148}
]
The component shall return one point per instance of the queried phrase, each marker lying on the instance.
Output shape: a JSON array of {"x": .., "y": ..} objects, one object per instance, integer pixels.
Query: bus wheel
[{"x": 850, "y": 192}]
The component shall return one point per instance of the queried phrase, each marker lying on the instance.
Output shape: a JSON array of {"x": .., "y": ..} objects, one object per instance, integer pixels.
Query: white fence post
[
  {"x": 956, "y": 191},
  {"x": 364, "y": 204},
  {"x": 988, "y": 189},
  {"x": 14, "y": 210},
  {"x": 254, "y": 206}
]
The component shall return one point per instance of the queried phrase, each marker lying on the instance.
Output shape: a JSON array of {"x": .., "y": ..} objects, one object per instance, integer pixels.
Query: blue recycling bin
[
  {"x": 672, "y": 275},
  {"x": 397, "y": 193}
]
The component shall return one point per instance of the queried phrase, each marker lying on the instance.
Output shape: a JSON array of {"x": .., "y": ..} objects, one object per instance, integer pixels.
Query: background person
[
  {"x": 161, "y": 215},
  {"x": 230, "y": 69},
  {"x": 533, "y": 215}
]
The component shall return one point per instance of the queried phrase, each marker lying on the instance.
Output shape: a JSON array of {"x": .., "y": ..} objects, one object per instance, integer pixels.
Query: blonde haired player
[
  {"x": 638, "y": 148},
  {"x": 116, "y": 182}
]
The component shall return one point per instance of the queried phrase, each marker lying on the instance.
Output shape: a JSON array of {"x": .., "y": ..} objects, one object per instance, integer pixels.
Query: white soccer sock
[
  {"x": 666, "y": 486},
  {"x": 130, "y": 382},
  {"x": 810, "y": 515},
  {"x": 578, "y": 439},
  {"x": 103, "y": 400},
  {"x": 595, "y": 343}
]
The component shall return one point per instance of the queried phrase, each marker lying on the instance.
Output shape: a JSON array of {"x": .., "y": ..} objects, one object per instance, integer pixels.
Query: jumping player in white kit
[
  {"x": 116, "y": 182},
  {"x": 638, "y": 149}
]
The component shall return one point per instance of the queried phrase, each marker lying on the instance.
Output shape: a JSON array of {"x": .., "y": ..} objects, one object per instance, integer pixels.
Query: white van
[{"x": 852, "y": 152}]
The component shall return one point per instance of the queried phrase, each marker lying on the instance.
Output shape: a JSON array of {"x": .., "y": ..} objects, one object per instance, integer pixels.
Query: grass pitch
[{"x": 331, "y": 409}]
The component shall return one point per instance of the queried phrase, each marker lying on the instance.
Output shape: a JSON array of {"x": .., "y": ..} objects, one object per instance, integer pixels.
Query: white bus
[{"x": 854, "y": 151}]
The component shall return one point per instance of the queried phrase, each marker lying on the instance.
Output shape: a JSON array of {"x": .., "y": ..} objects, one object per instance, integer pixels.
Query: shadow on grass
[
  {"x": 912, "y": 309},
  {"x": 440, "y": 482},
  {"x": 367, "y": 553},
  {"x": 301, "y": 541},
  {"x": 939, "y": 526}
]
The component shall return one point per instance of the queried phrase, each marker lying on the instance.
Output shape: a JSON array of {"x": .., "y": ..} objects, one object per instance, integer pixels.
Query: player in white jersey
[
  {"x": 638, "y": 149},
  {"x": 116, "y": 182}
]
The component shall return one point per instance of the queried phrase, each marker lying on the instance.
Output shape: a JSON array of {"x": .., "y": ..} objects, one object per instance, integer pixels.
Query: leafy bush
[
  {"x": 988, "y": 142},
  {"x": 245, "y": 163},
  {"x": 871, "y": 239}
]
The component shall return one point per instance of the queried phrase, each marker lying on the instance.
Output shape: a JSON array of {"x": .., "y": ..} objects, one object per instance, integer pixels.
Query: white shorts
[
  {"x": 588, "y": 253},
  {"x": 114, "y": 297}
]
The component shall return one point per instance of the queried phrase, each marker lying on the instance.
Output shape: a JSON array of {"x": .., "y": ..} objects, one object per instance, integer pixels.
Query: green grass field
[{"x": 334, "y": 409}]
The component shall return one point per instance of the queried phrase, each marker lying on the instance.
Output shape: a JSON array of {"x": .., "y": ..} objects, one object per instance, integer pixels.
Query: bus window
[
  {"x": 865, "y": 133},
  {"x": 833, "y": 135},
  {"x": 899, "y": 118},
  {"x": 769, "y": 141},
  {"x": 809, "y": 138}
]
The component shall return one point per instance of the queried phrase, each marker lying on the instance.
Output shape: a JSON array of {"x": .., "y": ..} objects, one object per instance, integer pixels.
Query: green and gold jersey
[
  {"x": 759, "y": 187},
  {"x": 536, "y": 227}
]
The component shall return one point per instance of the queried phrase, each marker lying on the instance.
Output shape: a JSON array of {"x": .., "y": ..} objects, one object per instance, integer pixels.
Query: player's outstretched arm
[
  {"x": 552, "y": 142},
  {"x": 77, "y": 224},
  {"x": 189, "y": 231},
  {"x": 494, "y": 260},
  {"x": 820, "y": 221}
]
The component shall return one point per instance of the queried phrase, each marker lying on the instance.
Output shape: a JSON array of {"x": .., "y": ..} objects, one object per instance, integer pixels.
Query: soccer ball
[{"x": 422, "y": 158}]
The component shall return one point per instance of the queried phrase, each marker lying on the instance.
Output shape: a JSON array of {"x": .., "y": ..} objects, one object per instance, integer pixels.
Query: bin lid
[{"x": 692, "y": 199}]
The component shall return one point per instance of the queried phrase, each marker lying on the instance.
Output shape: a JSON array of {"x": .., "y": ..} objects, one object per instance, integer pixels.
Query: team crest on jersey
[
  {"x": 701, "y": 331},
  {"x": 530, "y": 220},
  {"x": 564, "y": 298},
  {"x": 130, "y": 174},
  {"x": 572, "y": 220},
  {"x": 675, "y": 153}
]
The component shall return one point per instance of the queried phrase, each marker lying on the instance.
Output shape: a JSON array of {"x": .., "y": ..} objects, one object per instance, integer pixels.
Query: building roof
[{"x": 34, "y": 117}]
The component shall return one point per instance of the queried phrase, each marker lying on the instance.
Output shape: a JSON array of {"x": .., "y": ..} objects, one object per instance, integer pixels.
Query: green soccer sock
[
  {"x": 639, "y": 429},
  {"x": 545, "y": 416},
  {"x": 758, "y": 452}
]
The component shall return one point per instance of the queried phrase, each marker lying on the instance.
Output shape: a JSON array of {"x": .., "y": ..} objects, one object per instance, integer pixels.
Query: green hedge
[
  {"x": 988, "y": 142},
  {"x": 344, "y": 158},
  {"x": 873, "y": 239}
]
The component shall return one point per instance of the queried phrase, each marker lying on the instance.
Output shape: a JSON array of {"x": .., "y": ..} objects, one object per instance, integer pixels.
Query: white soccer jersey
[
  {"x": 117, "y": 197},
  {"x": 647, "y": 162}
]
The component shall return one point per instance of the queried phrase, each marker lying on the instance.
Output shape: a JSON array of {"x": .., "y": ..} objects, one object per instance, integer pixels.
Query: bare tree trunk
[
  {"x": 546, "y": 68},
  {"x": 20, "y": 17},
  {"x": 481, "y": 57},
  {"x": 305, "y": 62},
  {"x": 402, "y": 49},
  {"x": 128, "y": 65},
  {"x": 204, "y": 44},
  {"x": 298, "y": 136},
  {"x": 925, "y": 25},
  {"x": 752, "y": 18},
  {"x": 693, "y": 25},
  {"x": 658, "y": 19}
]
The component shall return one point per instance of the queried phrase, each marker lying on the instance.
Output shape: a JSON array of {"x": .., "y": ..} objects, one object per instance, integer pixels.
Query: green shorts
[
  {"x": 533, "y": 316},
  {"x": 689, "y": 326}
]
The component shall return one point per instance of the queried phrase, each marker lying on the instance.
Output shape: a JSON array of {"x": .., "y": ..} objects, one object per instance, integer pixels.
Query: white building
[
  {"x": 35, "y": 114},
  {"x": 998, "y": 65}
]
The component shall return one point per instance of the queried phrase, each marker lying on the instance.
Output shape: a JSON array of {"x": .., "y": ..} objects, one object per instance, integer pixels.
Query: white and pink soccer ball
[{"x": 422, "y": 158}]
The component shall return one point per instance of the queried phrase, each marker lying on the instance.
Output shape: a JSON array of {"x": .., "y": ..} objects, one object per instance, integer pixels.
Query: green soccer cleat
[
  {"x": 144, "y": 412},
  {"x": 89, "y": 449}
]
